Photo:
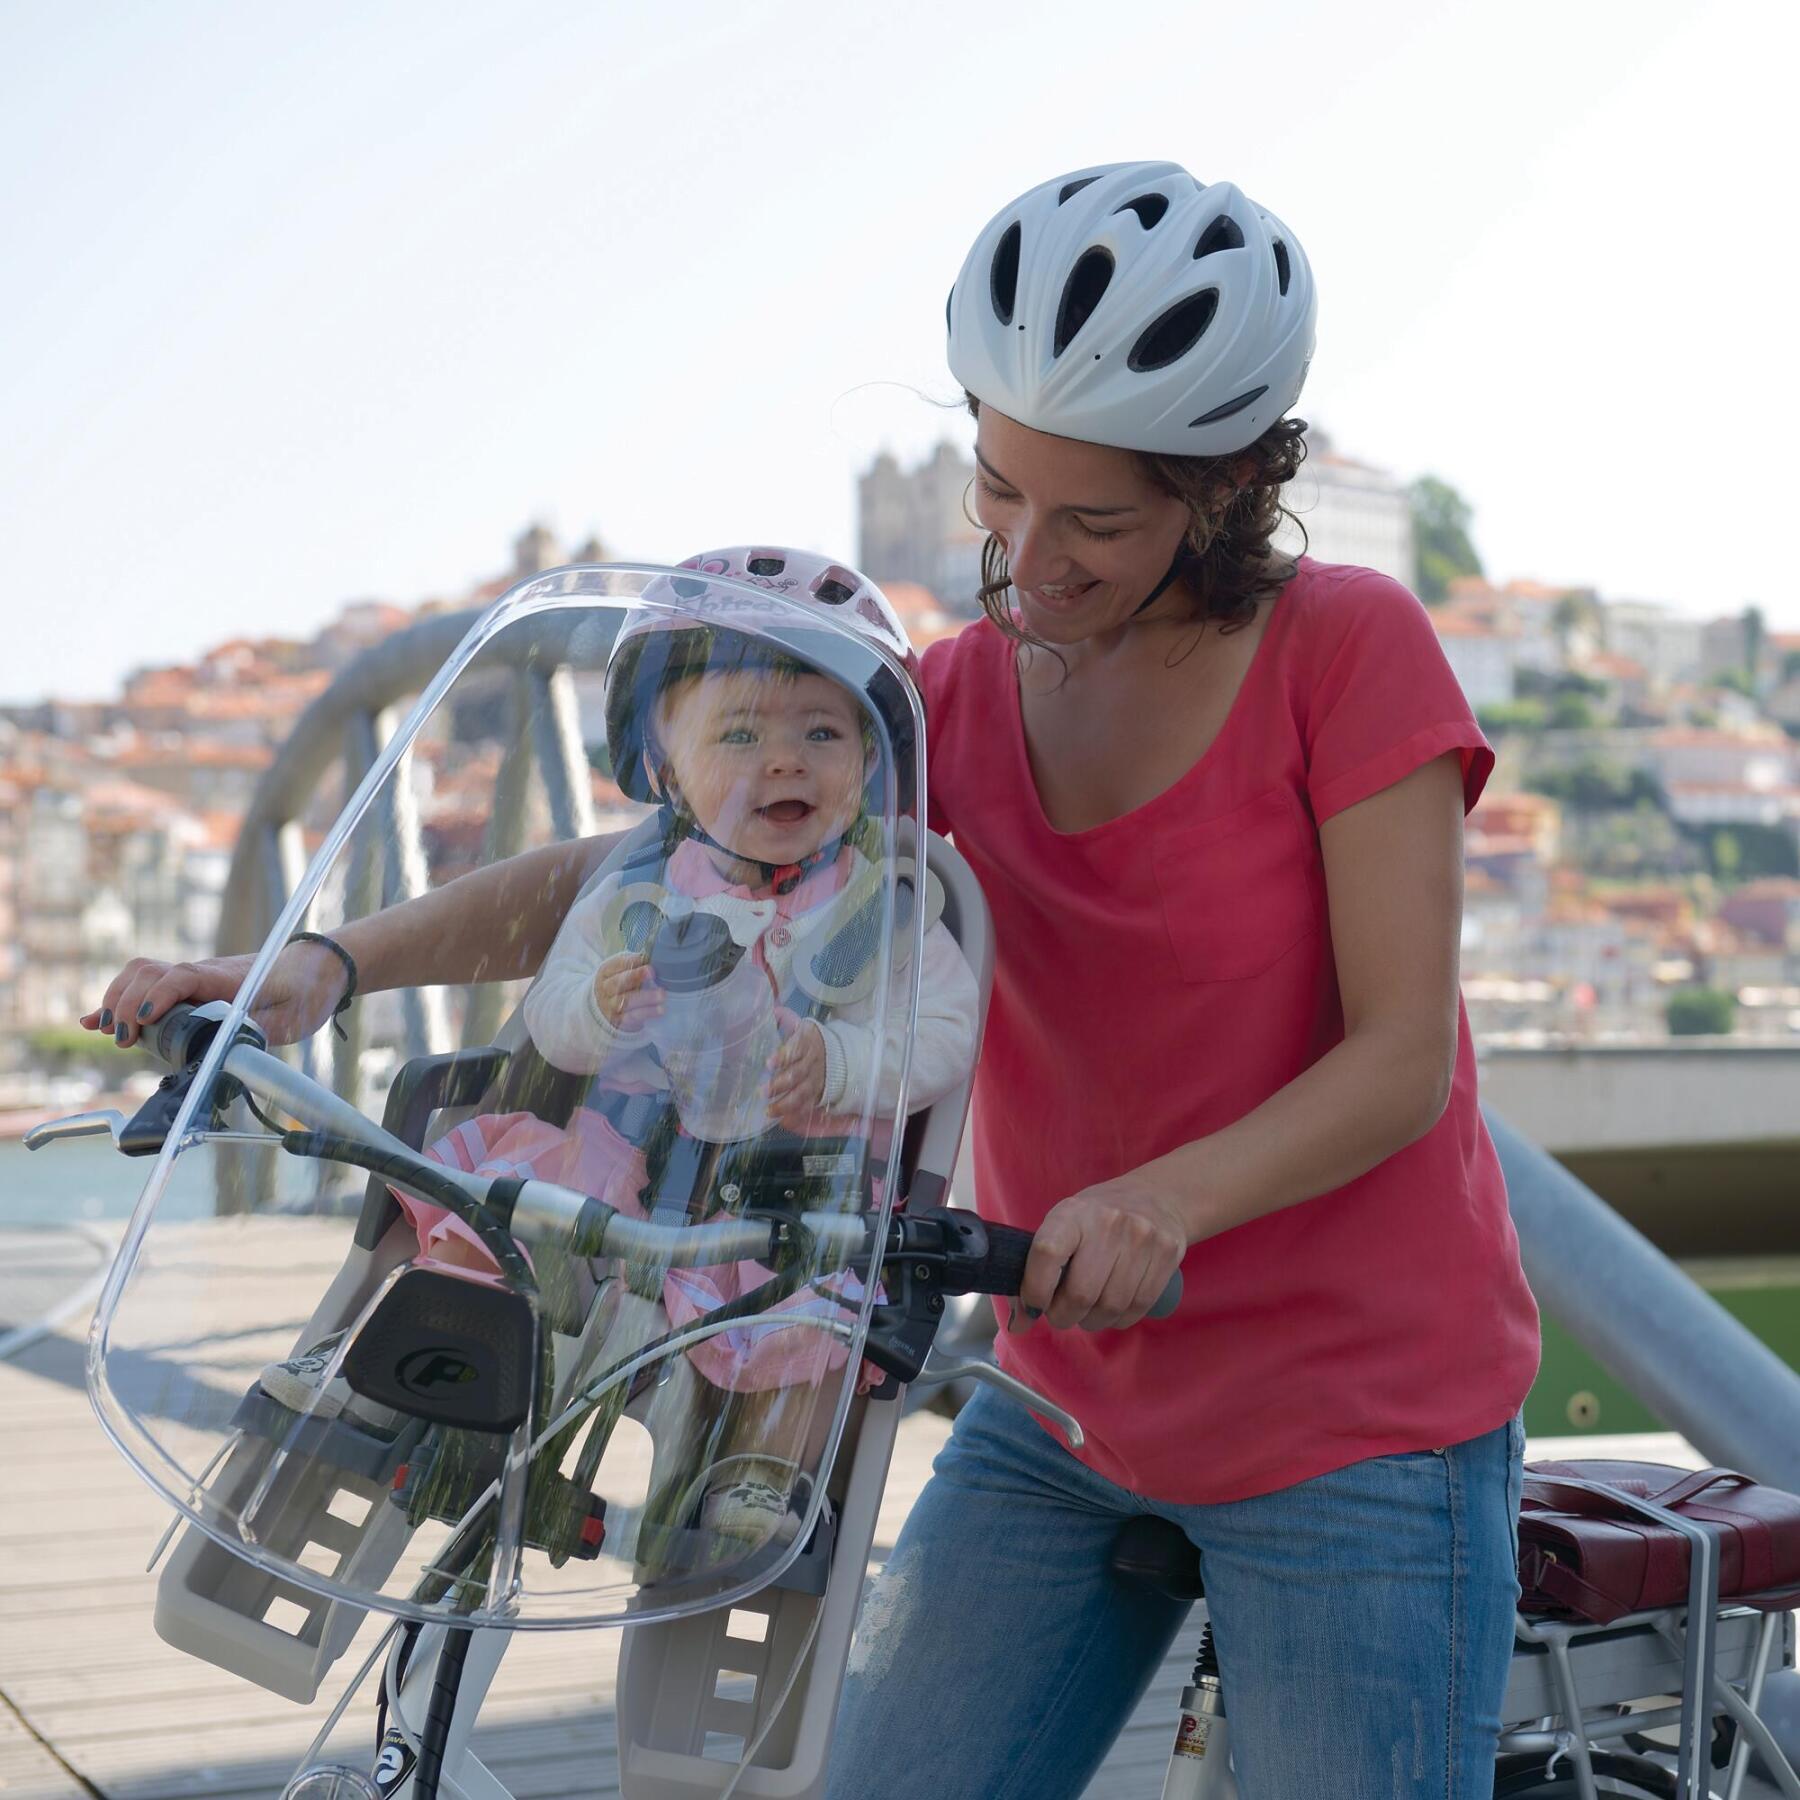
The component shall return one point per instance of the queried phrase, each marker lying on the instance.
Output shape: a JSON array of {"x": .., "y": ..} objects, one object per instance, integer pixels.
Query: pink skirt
[{"x": 591, "y": 1157}]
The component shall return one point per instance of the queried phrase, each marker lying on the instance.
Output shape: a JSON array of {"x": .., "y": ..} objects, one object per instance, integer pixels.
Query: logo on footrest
[{"x": 427, "y": 1371}]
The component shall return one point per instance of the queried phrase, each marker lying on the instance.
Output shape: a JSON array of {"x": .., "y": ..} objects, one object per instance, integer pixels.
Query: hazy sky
[{"x": 303, "y": 304}]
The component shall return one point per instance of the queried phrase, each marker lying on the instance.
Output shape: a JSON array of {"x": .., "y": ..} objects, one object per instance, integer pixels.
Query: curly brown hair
[{"x": 1227, "y": 562}]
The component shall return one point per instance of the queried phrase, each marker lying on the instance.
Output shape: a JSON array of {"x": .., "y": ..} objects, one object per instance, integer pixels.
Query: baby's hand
[
  {"x": 624, "y": 993},
  {"x": 797, "y": 1073}
]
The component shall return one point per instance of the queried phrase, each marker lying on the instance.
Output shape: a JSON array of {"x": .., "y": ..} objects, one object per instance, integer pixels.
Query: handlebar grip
[
  {"x": 1003, "y": 1268},
  {"x": 182, "y": 1034},
  {"x": 172, "y": 1036}
]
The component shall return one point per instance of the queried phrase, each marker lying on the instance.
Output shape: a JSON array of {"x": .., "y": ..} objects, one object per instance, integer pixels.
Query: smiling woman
[
  {"x": 1214, "y": 797},
  {"x": 1222, "y": 511}
]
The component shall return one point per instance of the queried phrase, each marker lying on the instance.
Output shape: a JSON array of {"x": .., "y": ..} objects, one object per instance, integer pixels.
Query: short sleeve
[
  {"x": 938, "y": 684},
  {"x": 1384, "y": 701}
]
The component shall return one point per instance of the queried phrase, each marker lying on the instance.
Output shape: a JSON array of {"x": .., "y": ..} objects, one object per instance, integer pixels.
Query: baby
[{"x": 713, "y": 993}]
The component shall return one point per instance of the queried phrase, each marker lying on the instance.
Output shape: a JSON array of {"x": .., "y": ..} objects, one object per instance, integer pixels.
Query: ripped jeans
[{"x": 1364, "y": 1626}]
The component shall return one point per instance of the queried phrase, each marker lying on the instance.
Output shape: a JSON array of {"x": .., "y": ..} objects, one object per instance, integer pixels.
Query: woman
[{"x": 1215, "y": 801}]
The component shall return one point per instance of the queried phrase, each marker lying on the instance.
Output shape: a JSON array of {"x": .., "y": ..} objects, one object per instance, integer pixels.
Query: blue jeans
[{"x": 1363, "y": 1620}]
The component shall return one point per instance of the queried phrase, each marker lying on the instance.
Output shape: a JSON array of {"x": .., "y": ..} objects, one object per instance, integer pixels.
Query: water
[{"x": 78, "y": 1178}]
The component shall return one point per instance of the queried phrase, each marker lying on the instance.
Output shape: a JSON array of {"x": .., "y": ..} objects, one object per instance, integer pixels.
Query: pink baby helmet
[{"x": 658, "y": 648}]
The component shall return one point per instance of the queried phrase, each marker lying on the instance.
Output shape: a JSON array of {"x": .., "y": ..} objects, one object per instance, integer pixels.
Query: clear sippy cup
[{"x": 717, "y": 1029}]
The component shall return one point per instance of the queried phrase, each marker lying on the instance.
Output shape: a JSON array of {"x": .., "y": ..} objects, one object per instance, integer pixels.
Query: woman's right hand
[{"x": 306, "y": 982}]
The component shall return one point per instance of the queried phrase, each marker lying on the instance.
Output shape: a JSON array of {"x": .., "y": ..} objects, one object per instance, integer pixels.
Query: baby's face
[{"x": 772, "y": 766}]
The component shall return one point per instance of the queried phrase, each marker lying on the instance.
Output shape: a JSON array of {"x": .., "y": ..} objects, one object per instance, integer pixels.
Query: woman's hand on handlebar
[
  {"x": 303, "y": 986},
  {"x": 1102, "y": 1257}
]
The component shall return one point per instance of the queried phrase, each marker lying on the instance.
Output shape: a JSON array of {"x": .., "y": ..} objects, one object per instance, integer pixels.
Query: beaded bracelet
[{"x": 349, "y": 962}]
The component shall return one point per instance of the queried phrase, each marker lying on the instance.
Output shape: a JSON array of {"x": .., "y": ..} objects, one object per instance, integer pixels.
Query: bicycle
[{"x": 1573, "y": 1686}]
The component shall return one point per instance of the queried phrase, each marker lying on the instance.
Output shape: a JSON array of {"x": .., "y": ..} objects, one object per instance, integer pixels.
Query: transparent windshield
[{"x": 535, "y": 1296}]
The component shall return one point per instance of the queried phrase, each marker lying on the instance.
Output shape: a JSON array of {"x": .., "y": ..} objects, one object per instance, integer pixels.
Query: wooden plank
[{"x": 28, "y": 1771}]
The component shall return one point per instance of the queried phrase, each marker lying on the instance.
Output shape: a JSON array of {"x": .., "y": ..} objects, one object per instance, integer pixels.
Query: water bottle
[{"x": 717, "y": 1029}]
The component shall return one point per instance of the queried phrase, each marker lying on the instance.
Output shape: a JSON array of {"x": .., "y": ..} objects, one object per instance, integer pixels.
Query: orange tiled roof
[
  {"x": 1768, "y": 887},
  {"x": 219, "y": 830},
  {"x": 1515, "y": 804},
  {"x": 1461, "y": 626},
  {"x": 1732, "y": 787},
  {"x": 1697, "y": 737},
  {"x": 194, "y": 752}
]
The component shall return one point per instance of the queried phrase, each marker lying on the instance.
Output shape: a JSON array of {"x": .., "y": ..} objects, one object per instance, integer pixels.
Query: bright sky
[{"x": 306, "y": 304}]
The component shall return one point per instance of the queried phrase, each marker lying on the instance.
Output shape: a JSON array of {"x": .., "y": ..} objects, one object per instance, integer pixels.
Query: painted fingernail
[
  {"x": 144, "y": 1010},
  {"x": 119, "y": 1031},
  {"x": 106, "y": 1019}
]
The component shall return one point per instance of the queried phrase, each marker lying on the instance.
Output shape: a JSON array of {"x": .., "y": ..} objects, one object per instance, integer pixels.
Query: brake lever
[
  {"x": 109, "y": 1121},
  {"x": 180, "y": 1038},
  {"x": 974, "y": 1369}
]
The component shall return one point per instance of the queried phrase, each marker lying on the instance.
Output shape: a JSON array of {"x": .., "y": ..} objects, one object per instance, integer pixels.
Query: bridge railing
[
  {"x": 341, "y": 734},
  {"x": 1647, "y": 1323}
]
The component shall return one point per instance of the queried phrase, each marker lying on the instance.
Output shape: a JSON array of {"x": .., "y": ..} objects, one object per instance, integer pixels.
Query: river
[{"x": 77, "y": 1178}]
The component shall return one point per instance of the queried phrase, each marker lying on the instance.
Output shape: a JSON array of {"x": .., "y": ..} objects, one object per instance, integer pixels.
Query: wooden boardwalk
[{"x": 94, "y": 1706}]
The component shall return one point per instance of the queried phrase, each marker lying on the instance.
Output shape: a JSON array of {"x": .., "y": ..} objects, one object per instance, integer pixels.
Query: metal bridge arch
[{"x": 347, "y": 726}]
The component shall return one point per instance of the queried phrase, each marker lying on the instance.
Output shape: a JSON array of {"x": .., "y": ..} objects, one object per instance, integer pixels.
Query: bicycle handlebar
[{"x": 988, "y": 1258}]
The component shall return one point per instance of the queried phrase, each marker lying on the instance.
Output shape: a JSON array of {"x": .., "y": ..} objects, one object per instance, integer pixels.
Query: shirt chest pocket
[{"x": 1241, "y": 890}]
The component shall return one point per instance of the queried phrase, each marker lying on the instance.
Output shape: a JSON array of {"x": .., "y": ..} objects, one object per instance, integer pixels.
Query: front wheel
[{"x": 1525, "y": 1778}]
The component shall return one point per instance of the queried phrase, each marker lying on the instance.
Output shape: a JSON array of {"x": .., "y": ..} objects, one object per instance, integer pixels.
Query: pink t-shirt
[{"x": 1163, "y": 974}]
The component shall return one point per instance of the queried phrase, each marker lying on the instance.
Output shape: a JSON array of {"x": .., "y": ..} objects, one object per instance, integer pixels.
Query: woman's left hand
[{"x": 1102, "y": 1257}]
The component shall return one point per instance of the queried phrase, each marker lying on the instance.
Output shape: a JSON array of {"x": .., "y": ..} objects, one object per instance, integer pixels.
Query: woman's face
[{"x": 1086, "y": 535}]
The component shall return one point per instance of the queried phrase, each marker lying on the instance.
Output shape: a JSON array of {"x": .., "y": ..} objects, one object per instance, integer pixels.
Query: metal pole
[{"x": 1644, "y": 1321}]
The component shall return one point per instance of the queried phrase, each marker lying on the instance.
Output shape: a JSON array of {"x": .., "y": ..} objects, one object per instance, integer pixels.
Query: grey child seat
[{"x": 679, "y": 1736}]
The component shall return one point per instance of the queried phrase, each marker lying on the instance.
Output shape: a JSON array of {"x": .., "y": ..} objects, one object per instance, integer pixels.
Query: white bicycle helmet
[
  {"x": 1136, "y": 306},
  {"x": 657, "y": 649}
]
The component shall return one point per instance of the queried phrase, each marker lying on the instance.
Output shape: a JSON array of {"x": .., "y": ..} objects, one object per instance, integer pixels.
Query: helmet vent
[
  {"x": 765, "y": 564},
  {"x": 1148, "y": 207},
  {"x": 1221, "y": 234},
  {"x": 1003, "y": 277},
  {"x": 1072, "y": 188},
  {"x": 1282, "y": 271},
  {"x": 1230, "y": 407},
  {"x": 835, "y": 586},
  {"x": 1173, "y": 335},
  {"x": 1081, "y": 293}
]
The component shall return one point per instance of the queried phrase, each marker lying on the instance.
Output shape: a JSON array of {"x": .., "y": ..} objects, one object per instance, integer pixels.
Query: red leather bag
[{"x": 1584, "y": 1556}]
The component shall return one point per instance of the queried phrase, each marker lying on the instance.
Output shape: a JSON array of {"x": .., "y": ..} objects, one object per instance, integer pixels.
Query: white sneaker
[
  {"x": 751, "y": 1512},
  {"x": 299, "y": 1383}
]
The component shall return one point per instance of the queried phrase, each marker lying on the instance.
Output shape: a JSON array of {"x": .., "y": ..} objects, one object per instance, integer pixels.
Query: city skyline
[{"x": 315, "y": 316}]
